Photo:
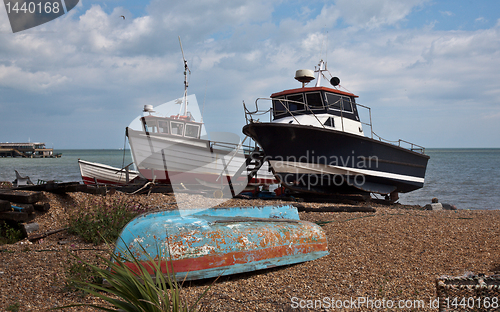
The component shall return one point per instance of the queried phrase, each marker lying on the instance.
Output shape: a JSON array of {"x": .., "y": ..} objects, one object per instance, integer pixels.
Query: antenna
[{"x": 186, "y": 70}]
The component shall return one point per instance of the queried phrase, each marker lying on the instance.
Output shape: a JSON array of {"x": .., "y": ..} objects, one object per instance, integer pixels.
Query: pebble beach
[{"x": 393, "y": 255}]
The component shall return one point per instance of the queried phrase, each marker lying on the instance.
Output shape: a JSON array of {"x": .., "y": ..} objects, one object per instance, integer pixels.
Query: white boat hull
[
  {"x": 95, "y": 173},
  {"x": 190, "y": 161}
]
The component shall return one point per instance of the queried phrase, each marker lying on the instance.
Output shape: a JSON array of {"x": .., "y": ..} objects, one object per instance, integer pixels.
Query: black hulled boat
[{"x": 315, "y": 143}]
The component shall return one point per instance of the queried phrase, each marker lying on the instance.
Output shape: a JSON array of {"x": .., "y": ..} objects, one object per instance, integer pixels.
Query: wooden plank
[
  {"x": 14, "y": 216},
  {"x": 44, "y": 207},
  {"x": 5, "y": 205},
  {"x": 337, "y": 209},
  {"x": 55, "y": 187},
  {"x": 36, "y": 237},
  {"x": 22, "y": 197}
]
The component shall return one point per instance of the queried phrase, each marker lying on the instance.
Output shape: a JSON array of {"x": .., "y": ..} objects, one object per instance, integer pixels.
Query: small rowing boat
[{"x": 201, "y": 244}]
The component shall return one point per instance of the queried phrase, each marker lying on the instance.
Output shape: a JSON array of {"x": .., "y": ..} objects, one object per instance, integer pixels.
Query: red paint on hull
[{"x": 230, "y": 259}]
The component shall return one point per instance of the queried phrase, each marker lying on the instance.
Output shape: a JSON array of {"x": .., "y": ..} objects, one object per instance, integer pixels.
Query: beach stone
[
  {"x": 449, "y": 207},
  {"x": 435, "y": 206},
  {"x": 434, "y": 200}
]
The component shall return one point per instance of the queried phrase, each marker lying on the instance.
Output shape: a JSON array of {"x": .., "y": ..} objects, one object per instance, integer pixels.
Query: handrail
[{"x": 249, "y": 118}]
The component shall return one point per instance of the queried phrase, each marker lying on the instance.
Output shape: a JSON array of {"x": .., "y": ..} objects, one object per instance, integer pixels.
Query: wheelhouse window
[
  {"x": 346, "y": 104},
  {"x": 295, "y": 102},
  {"x": 192, "y": 131},
  {"x": 177, "y": 128},
  {"x": 150, "y": 125},
  {"x": 279, "y": 106},
  {"x": 163, "y": 126},
  {"x": 314, "y": 100},
  {"x": 333, "y": 101},
  {"x": 337, "y": 102}
]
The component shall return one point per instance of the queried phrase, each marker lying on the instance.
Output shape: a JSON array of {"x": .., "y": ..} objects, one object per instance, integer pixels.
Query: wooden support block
[
  {"x": 5, "y": 205},
  {"x": 14, "y": 216},
  {"x": 42, "y": 207},
  {"x": 23, "y": 197}
]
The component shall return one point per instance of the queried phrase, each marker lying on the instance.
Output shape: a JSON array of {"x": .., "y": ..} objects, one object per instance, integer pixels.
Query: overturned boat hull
[{"x": 198, "y": 244}]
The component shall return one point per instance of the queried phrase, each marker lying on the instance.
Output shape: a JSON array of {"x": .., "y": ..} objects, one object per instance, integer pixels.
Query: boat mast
[
  {"x": 186, "y": 70},
  {"x": 321, "y": 68}
]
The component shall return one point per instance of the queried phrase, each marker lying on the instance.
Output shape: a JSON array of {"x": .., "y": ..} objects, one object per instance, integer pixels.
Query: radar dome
[{"x": 304, "y": 75}]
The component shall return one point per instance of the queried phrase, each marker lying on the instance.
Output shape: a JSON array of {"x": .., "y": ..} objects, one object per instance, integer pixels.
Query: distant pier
[{"x": 27, "y": 150}]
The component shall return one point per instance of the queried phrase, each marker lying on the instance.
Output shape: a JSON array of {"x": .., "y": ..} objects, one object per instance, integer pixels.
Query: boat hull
[
  {"x": 170, "y": 159},
  {"x": 319, "y": 160},
  {"x": 93, "y": 173},
  {"x": 214, "y": 242}
]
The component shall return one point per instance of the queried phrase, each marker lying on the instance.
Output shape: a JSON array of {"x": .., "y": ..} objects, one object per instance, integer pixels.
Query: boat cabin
[
  {"x": 317, "y": 106},
  {"x": 176, "y": 125}
]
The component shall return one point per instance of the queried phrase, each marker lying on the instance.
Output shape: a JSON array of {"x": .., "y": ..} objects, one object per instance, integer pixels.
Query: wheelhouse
[
  {"x": 316, "y": 100},
  {"x": 180, "y": 126}
]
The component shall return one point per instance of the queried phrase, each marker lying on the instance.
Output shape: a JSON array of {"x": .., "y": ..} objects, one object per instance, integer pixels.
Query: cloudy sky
[{"x": 429, "y": 69}]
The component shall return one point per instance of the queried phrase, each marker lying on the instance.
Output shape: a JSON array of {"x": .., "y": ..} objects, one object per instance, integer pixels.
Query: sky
[{"x": 429, "y": 69}]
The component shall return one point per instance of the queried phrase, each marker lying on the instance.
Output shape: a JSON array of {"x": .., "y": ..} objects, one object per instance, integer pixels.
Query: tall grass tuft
[
  {"x": 103, "y": 218},
  {"x": 134, "y": 290}
]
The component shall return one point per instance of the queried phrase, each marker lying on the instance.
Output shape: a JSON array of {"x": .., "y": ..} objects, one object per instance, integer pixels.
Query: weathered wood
[
  {"x": 337, "y": 209},
  {"x": 5, "y": 205},
  {"x": 14, "y": 216},
  {"x": 55, "y": 187},
  {"x": 28, "y": 228},
  {"x": 24, "y": 197},
  {"x": 44, "y": 207},
  {"x": 28, "y": 208},
  {"x": 36, "y": 237}
]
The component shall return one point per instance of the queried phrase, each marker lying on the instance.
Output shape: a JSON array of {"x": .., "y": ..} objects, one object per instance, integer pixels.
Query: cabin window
[
  {"x": 346, "y": 104},
  {"x": 192, "y": 131},
  {"x": 177, "y": 128},
  {"x": 293, "y": 100},
  {"x": 278, "y": 106},
  {"x": 314, "y": 100},
  {"x": 330, "y": 122},
  {"x": 150, "y": 125},
  {"x": 163, "y": 126},
  {"x": 333, "y": 101}
]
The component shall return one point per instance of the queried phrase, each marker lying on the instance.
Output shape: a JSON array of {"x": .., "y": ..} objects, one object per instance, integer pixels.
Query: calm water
[
  {"x": 65, "y": 169},
  {"x": 467, "y": 178}
]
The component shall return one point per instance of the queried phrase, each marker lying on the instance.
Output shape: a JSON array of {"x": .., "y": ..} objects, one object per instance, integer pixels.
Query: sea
[{"x": 466, "y": 178}]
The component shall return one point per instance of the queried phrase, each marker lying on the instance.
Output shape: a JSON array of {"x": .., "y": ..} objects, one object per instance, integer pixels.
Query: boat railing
[{"x": 250, "y": 117}]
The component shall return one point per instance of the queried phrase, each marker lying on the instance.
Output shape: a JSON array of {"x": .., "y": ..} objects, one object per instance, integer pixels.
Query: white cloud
[
  {"x": 446, "y": 13},
  {"x": 114, "y": 66},
  {"x": 376, "y": 13}
]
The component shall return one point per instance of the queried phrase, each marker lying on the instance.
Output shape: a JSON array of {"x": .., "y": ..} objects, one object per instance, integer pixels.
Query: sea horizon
[{"x": 466, "y": 177}]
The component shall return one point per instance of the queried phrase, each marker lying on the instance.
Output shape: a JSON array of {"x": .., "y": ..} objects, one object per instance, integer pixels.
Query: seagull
[{"x": 122, "y": 16}]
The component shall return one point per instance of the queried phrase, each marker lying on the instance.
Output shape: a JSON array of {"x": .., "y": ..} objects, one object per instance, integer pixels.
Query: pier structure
[{"x": 26, "y": 150}]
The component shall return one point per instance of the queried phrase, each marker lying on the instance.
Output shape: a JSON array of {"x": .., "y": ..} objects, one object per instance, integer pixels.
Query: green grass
[
  {"x": 103, "y": 218},
  {"x": 134, "y": 290},
  {"x": 9, "y": 234}
]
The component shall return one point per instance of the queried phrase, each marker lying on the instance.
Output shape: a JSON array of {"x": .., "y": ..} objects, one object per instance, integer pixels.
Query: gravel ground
[{"x": 393, "y": 254}]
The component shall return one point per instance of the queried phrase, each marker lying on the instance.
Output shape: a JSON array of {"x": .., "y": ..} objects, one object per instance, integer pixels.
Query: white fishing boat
[
  {"x": 175, "y": 149},
  {"x": 96, "y": 173}
]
